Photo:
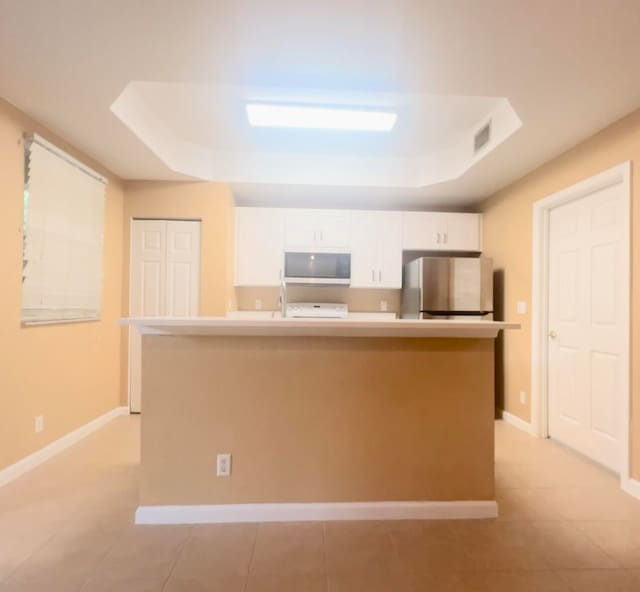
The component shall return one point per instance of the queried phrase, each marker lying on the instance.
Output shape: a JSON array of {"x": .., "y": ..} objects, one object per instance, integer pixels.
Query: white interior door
[
  {"x": 165, "y": 281},
  {"x": 587, "y": 324},
  {"x": 183, "y": 269}
]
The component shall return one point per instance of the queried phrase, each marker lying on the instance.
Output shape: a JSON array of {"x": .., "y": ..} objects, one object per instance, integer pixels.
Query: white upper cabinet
[
  {"x": 317, "y": 229},
  {"x": 376, "y": 249},
  {"x": 463, "y": 232},
  {"x": 259, "y": 253},
  {"x": 441, "y": 231},
  {"x": 300, "y": 228},
  {"x": 375, "y": 239},
  {"x": 390, "y": 249}
]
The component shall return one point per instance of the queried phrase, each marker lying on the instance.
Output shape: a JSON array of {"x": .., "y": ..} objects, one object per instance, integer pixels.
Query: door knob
[{"x": 553, "y": 334}]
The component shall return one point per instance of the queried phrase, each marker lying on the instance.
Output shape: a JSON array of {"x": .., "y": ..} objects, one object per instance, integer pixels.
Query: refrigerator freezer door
[{"x": 456, "y": 285}]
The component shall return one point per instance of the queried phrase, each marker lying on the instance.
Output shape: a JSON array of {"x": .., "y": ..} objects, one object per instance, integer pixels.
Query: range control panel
[{"x": 317, "y": 310}]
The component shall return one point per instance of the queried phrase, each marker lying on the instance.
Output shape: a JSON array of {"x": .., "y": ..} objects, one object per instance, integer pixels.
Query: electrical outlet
[
  {"x": 39, "y": 423},
  {"x": 258, "y": 304},
  {"x": 383, "y": 306},
  {"x": 523, "y": 397},
  {"x": 521, "y": 307},
  {"x": 223, "y": 465}
]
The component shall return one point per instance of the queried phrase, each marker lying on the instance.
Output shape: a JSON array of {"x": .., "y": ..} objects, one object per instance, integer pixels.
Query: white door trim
[
  {"x": 620, "y": 174},
  {"x": 129, "y": 329}
]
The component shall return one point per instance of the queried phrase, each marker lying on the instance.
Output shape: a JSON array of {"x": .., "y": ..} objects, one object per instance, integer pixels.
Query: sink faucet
[{"x": 283, "y": 298}]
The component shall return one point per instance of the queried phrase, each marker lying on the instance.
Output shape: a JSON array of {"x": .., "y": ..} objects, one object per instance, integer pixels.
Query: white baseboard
[
  {"x": 631, "y": 486},
  {"x": 316, "y": 511},
  {"x": 37, "y": 458},
  {"x": 516, "y": 422}
]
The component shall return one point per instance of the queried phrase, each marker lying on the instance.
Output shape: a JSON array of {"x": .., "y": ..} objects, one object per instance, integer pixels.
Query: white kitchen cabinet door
[
  {"x": 462, "y": 232},
  {"x": 421, "y": 231},
  {"x": 333, "y": 229},
  {"x": 317, "y": 229},
  {"x": 389, "y": 249},
  {"x": 259, "y": 246},
  {"x": 364, "y": 227},
  {"x": 376, "y": 249},
  {"x": 439, "y": 231},
  {"x": 301, "y": 229}
]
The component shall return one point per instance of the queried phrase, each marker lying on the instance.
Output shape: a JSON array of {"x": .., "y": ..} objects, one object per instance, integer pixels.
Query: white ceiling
[{"x": 567, "y": 68}]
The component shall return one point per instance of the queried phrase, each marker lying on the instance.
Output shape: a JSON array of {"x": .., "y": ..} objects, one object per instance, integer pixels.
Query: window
[{"x": 63, "y": 237}]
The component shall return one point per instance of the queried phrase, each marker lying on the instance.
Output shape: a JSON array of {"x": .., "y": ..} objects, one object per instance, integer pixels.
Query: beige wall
[
  {"x": 316, "y": 419},
  {"x": 508, "y": 237},
  {"x": 68, "y": 373},
  {"x": 212, "y": 203}
]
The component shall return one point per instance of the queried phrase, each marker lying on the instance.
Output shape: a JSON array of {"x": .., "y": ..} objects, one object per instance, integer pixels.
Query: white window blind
[{"x": 63, "y": 237}]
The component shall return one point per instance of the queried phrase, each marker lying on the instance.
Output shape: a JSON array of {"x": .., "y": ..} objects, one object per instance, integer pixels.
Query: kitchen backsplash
[{"x": 358, "y": 300}]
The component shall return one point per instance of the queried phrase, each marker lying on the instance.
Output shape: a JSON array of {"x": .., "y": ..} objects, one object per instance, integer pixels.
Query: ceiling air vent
[{"x": 481, "y": 139}]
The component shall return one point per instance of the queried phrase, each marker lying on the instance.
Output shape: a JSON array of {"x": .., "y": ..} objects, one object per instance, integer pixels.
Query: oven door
[{"x": 317, "y": 268}]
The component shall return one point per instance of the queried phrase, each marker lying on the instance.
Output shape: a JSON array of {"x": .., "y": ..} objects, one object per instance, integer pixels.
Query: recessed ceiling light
[{"x": 313, "y": 117}]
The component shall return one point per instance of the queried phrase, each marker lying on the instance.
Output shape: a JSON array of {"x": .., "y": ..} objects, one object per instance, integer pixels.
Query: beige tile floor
[{"x": 564, "y": 525}]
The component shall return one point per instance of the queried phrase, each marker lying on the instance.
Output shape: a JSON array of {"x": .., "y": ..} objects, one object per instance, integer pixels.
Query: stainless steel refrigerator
[{"x": 448, "y": 288}]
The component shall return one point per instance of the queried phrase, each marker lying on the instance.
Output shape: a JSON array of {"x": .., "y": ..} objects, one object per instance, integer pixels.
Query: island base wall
[{"x": 316, "y": 419}]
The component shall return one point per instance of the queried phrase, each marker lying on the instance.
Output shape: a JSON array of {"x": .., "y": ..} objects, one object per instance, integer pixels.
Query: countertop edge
[{"x": 222, "y": 326}]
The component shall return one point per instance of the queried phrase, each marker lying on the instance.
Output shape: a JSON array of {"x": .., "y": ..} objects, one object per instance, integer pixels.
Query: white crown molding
[{"x": 50, "y": 450}]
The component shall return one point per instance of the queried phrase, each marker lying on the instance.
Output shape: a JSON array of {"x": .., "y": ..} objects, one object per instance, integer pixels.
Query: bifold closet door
[{"x": 164, "y": 281}]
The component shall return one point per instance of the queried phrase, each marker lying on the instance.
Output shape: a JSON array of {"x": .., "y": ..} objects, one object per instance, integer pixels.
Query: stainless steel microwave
[{"x": 317, "y": 268}]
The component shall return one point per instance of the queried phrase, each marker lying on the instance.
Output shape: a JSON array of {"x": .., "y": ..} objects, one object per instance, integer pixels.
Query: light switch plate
[
  {"x": 38, "y": 424},
  {"x": 523, "y": 398},
  {"x": 522, "y": 307},
  {"x": 383, "y": 306},
  {"x": 223, "y": 465},
  {"x": 258, "y": 304}
]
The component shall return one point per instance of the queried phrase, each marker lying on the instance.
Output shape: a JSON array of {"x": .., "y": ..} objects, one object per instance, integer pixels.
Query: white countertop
[{"x": 350, "y": 327}]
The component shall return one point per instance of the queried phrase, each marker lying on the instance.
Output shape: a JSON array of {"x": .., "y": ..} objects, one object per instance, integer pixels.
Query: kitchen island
[{"x": 324, "y": 419}]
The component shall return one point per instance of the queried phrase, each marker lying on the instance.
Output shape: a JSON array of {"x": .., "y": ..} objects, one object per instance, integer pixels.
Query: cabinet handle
[
  {"x": 446, "y": 237},
  {"x": 379, "y": 275},
  {"x": 373, "y": 275},
  {"x": 314, "y": 236},
  {"x": 438, "y": 238},
  {"x": 321, "y": 236}
]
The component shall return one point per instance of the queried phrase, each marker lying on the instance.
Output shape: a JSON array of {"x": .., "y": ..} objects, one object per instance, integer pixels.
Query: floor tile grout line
[
  {"x": 253, "y": 551},
  {"x": 29, "y": 556},
  {"x": 97, "y": 566},
  {"x": 324, "y": 554},
  {"x": 396, "y": 550},
  {"x": 99, "y": 562},
  {"x": 393, "y": 542},
  {"x": 178, "y": 555}
]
